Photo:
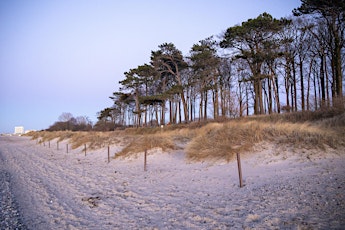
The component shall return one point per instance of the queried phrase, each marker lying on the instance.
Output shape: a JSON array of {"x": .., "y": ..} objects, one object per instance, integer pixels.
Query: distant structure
[{"x": 18, "y": 130}]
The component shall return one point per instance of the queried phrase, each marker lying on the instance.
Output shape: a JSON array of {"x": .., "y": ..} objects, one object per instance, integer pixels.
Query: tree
[
  {"x": 168, "y": 61},
  {"x": 68, "y": 122},
  {"x": 253, "y": 41},
  {"x": 122, "y": 107},
  {"x": 147, "y": 97},
  {"x": 64, "y": 117},
  {"x": 333, "y": 13},
  {"x": 205, "y": 65},
  {"x": 135, "y": 83}
]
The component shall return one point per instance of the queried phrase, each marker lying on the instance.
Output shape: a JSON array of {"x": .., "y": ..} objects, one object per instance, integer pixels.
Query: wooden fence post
[
  {"x": 145, "y": 160},
  {"x": 66, "y": 148},
  {"x": 239, "y": 169},
  {"x": 85, "y": 149},
  {"x": 108, "y": 153}
]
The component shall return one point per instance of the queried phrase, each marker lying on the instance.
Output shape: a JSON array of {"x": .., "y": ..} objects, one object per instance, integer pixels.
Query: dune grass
[
  {"x": 223, "y": 141},
  {"x": 218, "y": 140},
  {"x": 146, "y": 142}
]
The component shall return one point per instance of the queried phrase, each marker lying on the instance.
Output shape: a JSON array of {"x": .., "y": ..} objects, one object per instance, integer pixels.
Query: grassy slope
[{"x": 214, "y": 140}]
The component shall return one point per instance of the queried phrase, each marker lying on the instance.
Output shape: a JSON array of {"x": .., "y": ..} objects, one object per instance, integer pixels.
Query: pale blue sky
[{"x": 69, "y": 55}]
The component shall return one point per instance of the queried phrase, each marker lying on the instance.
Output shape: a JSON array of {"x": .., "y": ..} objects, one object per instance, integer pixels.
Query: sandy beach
[{"x": 283, "y": 189}]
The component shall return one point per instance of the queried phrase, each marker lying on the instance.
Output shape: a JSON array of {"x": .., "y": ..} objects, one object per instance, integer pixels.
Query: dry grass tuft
[
  {"x": 146, "y": 142},
  {"x": 103, "y": 139},
  {"x": 222, "y": 141}
]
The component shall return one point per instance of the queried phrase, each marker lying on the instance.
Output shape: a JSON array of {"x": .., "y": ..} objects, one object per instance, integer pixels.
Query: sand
[{"x": 283, "y": 188}]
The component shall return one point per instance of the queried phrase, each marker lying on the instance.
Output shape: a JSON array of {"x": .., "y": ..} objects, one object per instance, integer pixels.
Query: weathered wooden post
[
  {"x": 85, "y": 149},
  {"x": 239, "y": 169},
  {"x": 66, "y": 148},
  {"x": 57, "y": 145},
  {"x": 108, "y": 153},
  {"x": 145, "y": 160}
]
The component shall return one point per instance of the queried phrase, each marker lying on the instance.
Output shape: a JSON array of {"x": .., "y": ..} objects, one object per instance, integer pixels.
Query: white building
[{"x": 18, "y": 130}]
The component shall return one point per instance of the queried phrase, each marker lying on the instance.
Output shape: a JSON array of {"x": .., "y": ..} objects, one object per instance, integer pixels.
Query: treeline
[
  {"x": 68, "y": 122},
  {"x": 262, "y": 66}
]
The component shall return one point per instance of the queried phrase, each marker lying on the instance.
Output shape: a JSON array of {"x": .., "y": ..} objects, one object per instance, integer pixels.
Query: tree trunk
[
  {"x": 322, "y": 81},
  {"x": 302, "y": 83},
  {"x": 269, "y": 97},
  {"x": 163, "y": 113},
  {"x": 294, "y": 86},
  {"x": 256, "y": 97},
  {"x": 216, "y": 102},
  {"x": 260, "y": 97},
  {"x": 247, "y": 100},
  {"x": 205, "y": 106},
  {"x": 338, "y": 66},
  {"x": 276, "y": 91},
  {"x": 240, "y": 98}
]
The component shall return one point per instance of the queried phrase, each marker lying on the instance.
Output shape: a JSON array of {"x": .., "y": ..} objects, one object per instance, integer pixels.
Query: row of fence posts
[
  {"x": 67, "y": 148},
  {"x": 57, "y": 148},
  {"x": 145, "y": 159}
]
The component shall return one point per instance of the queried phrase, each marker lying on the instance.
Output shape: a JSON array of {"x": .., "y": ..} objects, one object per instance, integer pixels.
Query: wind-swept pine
[
  {"x": 168, "y": 61},
  {"x": 261, "y": 66},
  {"x": 256, "y": 41}
]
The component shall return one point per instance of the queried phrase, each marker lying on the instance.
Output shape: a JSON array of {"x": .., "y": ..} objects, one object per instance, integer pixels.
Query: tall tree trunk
[
  {"x": 185, "y": 108},
  {"x": 315, "y": 95},
  {"x": 171, "y": 116},
  {"x": 322, "y": 80},
  {"x": 327, "y": 84},
  {"x": 338, "y": 64},
  {"x": 302, "y": 83},
  {"x": 201, "y": 107},
  {"x": 163, "y": 113},
  {"x": 260, "y": 97},
  {"x": 240, "y": 98},
  {"x": 294, "y": 86},
  {"x": 215, "y": 102},
  {"x": 276, "y": 91},
  {"x": 308, "y": 84},
  {"x": 137, "y": 107},
  {"x": 256, "y": 96},
  {"x": 179, "y": 112},
  {"x": 205, "y": 105},
  {"x": 247, "y": 100},
  {"x": 287, "y": 86},
  {"x": 222, "y": 99},
  {"x": 269, "y": 97}
]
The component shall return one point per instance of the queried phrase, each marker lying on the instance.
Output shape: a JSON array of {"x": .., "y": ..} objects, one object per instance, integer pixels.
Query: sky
[{"x": 62, "y": 56}]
